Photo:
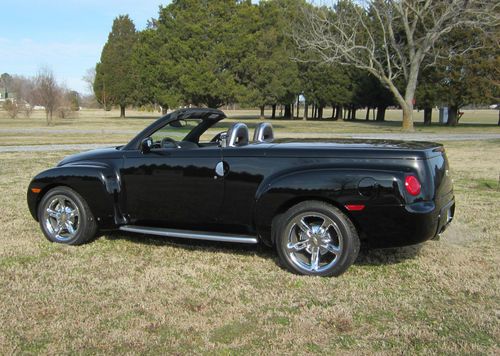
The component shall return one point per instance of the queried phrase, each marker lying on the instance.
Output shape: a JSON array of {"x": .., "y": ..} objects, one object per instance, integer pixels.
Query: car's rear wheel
[
  {"x": 65, "y": 217},
  {"x": 315, "y": 238}
]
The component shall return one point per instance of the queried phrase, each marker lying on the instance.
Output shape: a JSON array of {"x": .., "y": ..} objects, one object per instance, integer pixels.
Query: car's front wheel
[
  {"x": 65, "y": 217},
  {"x": 315, "y": 238}
]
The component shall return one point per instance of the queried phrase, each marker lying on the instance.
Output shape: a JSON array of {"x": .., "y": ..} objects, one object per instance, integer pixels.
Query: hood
[{"x": 97, "y": 154}]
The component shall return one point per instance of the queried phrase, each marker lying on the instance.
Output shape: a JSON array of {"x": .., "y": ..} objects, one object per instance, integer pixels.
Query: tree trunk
[
  {"x": 498, "y": 117},
  {"x": 281, "y": 110},
  {"x": 353, "y": 114},
  {"x": 292, "y": 106},
  {"x": 306, "y": 111},
  {"x": 367, "y": 117},
  {"x": 288, "y": 111},
  {"x": 338, "y": 112},
  {"x": 262, "y": 116},
  {"x": 381, "y": 113},
  {"x": 409, "y": 99},
  {"x": 453, "y": 115},
  {"x": 408, "y": 118},
  {"x": 122, "y": 110},
  {"x": 164, "y": 110},
  {"x": 333, "y": 112},
  {"x": 273, "y": 116},
  {"x": 427, "y": 116},
  {"x": 320, "y": 112}
]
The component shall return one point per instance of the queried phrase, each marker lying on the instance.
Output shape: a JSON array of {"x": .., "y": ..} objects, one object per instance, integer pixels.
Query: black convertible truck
[{"x": 315, "y": 202}]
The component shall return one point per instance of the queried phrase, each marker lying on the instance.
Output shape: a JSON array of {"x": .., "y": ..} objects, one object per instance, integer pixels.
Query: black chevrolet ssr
[{"x": 315, "y": 202}]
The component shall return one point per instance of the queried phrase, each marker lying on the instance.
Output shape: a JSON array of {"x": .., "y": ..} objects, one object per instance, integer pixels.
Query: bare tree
[
  {"x": 391, "y": 39},
  {"x": 11, "y": 107},
  {"x": 48, "y": 92},
  {"x": 25, "y": 94},
  {"x": 89, "y": 78}
]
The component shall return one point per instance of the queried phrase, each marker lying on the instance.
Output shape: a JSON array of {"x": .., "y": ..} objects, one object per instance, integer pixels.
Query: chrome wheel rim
[
  {"x": 61, "y": 218},
  {"x": 314, "y": 242}
]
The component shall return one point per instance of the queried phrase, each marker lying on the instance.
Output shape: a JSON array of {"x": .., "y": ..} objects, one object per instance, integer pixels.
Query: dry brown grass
[
  {"x": 98, "y": 126},
  {"x": 138, "y": 294}
]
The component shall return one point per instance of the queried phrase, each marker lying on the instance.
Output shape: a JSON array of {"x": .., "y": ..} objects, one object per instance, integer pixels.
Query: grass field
[
  {"x": 138, "y": 294},
  {"x": 97, "y": 126}
]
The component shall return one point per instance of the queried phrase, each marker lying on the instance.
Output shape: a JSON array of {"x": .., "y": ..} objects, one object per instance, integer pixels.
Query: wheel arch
[
  {"x": 90, "y": 182},
  {"x": 332, "y": 185},
  {"x": 300, "y": 199},
  {"x": 43, "y": 192}
]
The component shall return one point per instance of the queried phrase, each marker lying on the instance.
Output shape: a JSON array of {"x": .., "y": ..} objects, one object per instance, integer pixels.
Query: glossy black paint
[{"x": 178, "y": 187}]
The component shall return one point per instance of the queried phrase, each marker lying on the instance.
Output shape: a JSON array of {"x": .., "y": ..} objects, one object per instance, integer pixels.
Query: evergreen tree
[
  {"x": 266, "y": 72},
  {"x": 470, "y": 77},
  {"x": 114, "y": 82},
  {"x": 202, "y": 40},
  {"x": 429, "y": 92},
  {"x": 156, "y": 69}
]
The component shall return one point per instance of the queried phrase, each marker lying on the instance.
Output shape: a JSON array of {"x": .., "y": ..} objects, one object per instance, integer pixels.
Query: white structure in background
[
  {"x": 4, "y": 95},
  {"x": 443, "y": 115}
]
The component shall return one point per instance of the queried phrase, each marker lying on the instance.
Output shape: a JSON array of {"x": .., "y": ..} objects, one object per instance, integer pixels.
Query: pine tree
[{"x": 114, "y": 81}]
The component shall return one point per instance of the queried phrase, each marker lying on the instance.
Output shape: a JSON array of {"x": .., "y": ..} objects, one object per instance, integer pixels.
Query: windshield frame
[{"x": 209, "y": 118}]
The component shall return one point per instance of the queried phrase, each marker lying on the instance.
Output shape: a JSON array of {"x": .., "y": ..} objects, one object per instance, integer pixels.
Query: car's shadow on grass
[{"x": 366, "y": 257}]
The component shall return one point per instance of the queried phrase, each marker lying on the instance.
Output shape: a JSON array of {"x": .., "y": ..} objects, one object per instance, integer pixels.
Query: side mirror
[
  {"x": 146, "y": 145},
  {"x": 223, "y": 139}
]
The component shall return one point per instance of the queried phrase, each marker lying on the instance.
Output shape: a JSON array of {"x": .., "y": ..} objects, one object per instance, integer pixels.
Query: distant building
[{"x": 4, "y": 95}]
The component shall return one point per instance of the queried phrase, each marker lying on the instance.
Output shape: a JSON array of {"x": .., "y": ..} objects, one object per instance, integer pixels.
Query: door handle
[{"x": 221, "y": 169}]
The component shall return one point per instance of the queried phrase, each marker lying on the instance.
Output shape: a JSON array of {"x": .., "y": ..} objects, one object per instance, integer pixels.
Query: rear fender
[
  {"x": 99, "y": 184},
  {"x": 338, "y": 187}
]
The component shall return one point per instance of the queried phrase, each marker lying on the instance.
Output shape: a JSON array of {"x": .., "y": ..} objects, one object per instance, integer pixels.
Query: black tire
[
  {"x": 317, "y": 232},
  {"x": 65, "y": 217}
]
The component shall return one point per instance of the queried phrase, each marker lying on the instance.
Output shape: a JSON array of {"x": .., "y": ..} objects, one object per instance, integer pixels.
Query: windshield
[{"x": 175, "y": 130}]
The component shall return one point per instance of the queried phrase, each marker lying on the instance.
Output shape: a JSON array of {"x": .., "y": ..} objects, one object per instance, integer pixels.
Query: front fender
[
  {"x": 335, "y": 186},
  {"x": 97, "y": 183}
]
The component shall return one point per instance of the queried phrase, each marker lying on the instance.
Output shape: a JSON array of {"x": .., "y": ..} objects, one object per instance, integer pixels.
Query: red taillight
[
  {"x": 412, "y": 185},
  {"x": 354, "y": 207}
]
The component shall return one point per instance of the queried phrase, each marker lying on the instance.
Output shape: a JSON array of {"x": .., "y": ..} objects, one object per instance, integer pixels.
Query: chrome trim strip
[{"x": 189, "y": 234}]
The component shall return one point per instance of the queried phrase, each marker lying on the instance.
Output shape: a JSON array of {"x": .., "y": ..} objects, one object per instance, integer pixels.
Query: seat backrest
[
  {"x": 263, "y": 133},
  {"x": 237, "y": 135}
]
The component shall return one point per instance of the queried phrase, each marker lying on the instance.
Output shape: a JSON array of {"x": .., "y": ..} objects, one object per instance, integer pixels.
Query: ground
[{"x": 138, "y": 294}]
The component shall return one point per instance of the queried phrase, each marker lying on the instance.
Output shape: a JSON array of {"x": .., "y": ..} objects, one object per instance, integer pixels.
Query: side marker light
[{"x": 354, "y": 207}]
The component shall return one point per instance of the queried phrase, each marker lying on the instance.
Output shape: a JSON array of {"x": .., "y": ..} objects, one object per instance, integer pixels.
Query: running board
[{"x": 188, "y": 234}]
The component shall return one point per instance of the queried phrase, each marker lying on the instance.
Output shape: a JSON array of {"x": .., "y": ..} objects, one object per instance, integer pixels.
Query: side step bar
[{"x": 188, "y": 234}]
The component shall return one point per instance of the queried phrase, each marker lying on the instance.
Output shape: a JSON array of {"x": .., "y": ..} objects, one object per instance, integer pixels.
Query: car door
[
  {"x": 245, "y": 168},
  {"x": 172, "y": 187}
]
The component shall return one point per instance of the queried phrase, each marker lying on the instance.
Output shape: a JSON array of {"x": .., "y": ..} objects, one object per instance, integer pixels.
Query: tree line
[
  {"x": 352, "y": 55},
  {"x": 223, "y": 52}
]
